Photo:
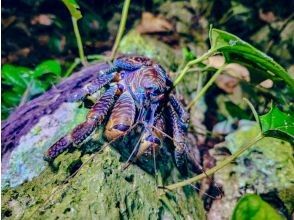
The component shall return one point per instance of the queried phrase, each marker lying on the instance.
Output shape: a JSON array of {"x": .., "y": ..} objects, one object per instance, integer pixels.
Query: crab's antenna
[
  {"x": 154, "y": 161},
  {"x": 204, "y": 193},
  {"x": 140, "y": 114},
  {"x": 165, "y": 134},
  {"x": 208, "y": 177},
  {"x": 64, "y": 184},
  {"x": 128, "y": 163}
]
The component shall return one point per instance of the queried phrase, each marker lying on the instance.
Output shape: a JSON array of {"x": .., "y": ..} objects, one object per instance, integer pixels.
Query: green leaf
[
  {"x": 238, "y": 8},
  {"x": 11, "y": 98},
  {"x": 15, "y": 75},
  {"x": 252, "y": 207},
  {"x": 230, "y": 45},
  {"x": 278, "y": 124},
  {"x": 48, "y": 66},
  {"x": 73, "y": 8},
  {"x": 188, "y": 55},
  {"x": 235, "y": 111}
]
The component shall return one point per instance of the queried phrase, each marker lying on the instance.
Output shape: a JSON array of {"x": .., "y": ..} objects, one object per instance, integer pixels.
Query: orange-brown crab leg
[{"x": 94, "y": 118}]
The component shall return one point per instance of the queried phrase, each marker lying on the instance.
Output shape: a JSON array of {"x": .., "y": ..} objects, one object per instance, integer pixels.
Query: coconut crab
[{"x": 138, "y": 90}]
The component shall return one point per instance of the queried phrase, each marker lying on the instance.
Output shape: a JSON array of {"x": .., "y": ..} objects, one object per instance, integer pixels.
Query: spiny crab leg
[
  {"x": 179, "y": 134},
  {"x": 92, "y": 87},
  {"x": 183, "y": 115},
  {"x": 108, "y": 70},
  {"x": 83, "y": 130},
  {"x": 131, "y": 64}
]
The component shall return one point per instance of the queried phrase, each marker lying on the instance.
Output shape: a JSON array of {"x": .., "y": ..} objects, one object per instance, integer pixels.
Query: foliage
[
  {"x": 233, "y": 47},
  {"x": 252, "y": 207},
  {"x": 22, "y": 83},
  {"x": 278, "y": 124},
  {"x": 73, "y": 7}
]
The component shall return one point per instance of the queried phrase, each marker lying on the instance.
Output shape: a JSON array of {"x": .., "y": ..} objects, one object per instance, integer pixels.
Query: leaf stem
[
  {"x": 26, "y": 94},
  {"x": 206, "y": 87},
  {"x": 254, "y": 112},
  {"x": 79, "y": 41},
  {"x": 191, "y": 63},
  {"x": 121, "y": 29},
  {"x": 217, "y": 167},
  {"x": 72, "y": 67}
]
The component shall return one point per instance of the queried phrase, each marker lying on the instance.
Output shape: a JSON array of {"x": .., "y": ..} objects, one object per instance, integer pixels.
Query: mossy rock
[{"x": 100, "y": 190}]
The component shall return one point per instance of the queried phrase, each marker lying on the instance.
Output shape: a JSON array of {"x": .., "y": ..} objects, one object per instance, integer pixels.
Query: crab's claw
[{"x": 122, "y": 117}]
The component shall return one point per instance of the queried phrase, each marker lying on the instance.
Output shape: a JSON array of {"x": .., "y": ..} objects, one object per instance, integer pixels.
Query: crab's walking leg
[
  {"x": 179, "y": 135},
  {"x": 92, "y": 87},
  {"x": 122, "y": 116},
  {"x": 83, "y": 130},
  {"x": 179, "y": 108}
]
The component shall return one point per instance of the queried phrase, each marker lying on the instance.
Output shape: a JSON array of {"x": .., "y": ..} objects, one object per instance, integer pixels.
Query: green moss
[
  {"x": 100, "y": 189},
  {"x": 268, "y": 161}
]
